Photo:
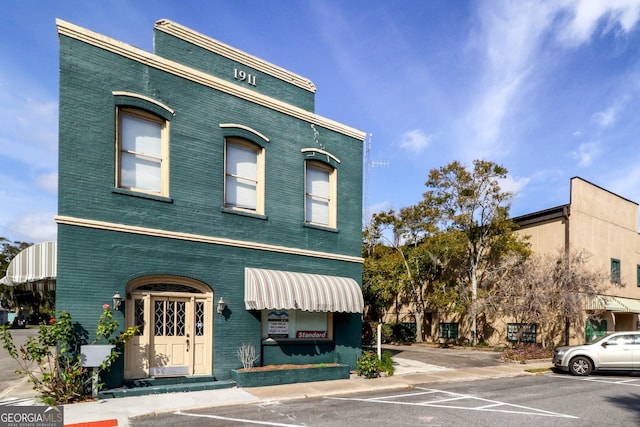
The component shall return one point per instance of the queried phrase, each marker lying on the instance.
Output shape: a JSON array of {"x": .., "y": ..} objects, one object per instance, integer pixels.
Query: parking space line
[
  {"x": 632, "y": 383},
  {"x": 239, "y": 420},
  {"x": 397, "y": 396},
  {"x": 488, "y": 406}
]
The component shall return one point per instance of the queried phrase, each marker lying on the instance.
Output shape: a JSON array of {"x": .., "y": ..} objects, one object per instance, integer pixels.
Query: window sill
[
  {"x": 142, "y": 195},
  {"x": 243, "y": 213},
  {"x": 321, "y": 227}
]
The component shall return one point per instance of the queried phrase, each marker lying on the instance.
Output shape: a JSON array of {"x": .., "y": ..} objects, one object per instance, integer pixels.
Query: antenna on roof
[{"x": 368, "y": 165}]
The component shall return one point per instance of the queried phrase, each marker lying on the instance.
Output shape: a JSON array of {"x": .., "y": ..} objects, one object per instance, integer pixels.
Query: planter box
[{"x": 258, "y": 378}]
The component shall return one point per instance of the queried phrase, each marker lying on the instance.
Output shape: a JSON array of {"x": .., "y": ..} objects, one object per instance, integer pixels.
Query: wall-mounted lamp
[
  {"x": 117, "y": 301},
  {"x": 221, "y": 306}
]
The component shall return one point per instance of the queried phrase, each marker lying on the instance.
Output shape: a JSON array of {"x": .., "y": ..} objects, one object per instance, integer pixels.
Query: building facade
[
  {"x": 604, "y": 226},
  {"x": 198, "y": 183}
]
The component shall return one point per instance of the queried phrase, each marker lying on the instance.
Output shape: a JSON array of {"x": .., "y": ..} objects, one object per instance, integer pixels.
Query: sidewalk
[{"x": 116, "y": 412}]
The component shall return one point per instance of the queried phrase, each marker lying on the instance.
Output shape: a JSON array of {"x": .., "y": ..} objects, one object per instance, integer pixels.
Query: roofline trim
[
  {"x": 213, "y": 45},
  {"x": 136, "y": 54}
]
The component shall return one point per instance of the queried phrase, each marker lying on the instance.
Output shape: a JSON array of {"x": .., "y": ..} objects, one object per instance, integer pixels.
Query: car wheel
[{"x": 580, "y": 366}]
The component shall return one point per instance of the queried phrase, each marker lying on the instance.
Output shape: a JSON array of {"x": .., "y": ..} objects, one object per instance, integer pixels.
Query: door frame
[{"x": 138, "y": 350}]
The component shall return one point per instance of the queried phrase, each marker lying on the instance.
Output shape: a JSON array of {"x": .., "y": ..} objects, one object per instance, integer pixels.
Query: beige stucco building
[
  {"x": 605, "y": 226},
  {"x": 597, "y": 222}
]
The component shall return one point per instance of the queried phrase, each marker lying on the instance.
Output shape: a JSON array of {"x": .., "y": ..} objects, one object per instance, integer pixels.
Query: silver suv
[{"x": 617, "y": 351}]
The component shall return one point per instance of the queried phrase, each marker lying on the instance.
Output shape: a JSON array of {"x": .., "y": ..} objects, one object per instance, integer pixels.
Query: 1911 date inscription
[{"x": 243, "y": 76}]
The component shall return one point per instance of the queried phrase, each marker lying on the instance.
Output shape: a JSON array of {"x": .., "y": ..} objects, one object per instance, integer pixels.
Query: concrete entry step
[{"x": 148, "y": 386}]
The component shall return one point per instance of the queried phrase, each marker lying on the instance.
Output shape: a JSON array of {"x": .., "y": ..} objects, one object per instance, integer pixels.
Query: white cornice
[
  {"x": 232, "y": 53},
  {"x": 151, "y": 60},
  {"x": 124, "y": 228}
]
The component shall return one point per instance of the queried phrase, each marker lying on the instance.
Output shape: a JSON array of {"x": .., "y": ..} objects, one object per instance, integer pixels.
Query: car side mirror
[{"x": 605, "y": 344}]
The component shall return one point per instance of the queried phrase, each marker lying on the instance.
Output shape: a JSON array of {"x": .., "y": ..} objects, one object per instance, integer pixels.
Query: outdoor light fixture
[
  {"x": 221, "y": 305},
  {"x": 117, "y": 301}
]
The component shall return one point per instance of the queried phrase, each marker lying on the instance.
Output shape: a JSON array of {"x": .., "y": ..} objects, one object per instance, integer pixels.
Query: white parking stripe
[
  {"x": 397, "y": 396},
  {"x": 489, "y": 405},
  {"x": 239, "y": 420},
  {"x": 633, "y": 383}
]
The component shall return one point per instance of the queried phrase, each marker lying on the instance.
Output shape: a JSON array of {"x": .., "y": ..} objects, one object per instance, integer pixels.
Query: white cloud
[
  {"x": 511, "y": 39},
  {"x": 586, "y": 153},
  {"x": 508, "y": 41},
  {"x": 513, "y": 184},
  {"x": 48, "y": 182},
  {"x": 36, "y": 227},
  {"x": 414, "y": 140},
  {"x": 584, "y": 17},
  {"x": 606, "y": 118}
]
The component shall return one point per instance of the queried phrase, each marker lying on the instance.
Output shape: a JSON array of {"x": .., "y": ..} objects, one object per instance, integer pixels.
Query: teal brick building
[{"x": 198, "y": 183}]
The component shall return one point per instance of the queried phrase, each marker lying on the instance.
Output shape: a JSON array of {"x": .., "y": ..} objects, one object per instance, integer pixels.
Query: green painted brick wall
[
  {"x": 93, "y": 264},
  {"x": 87, "y": 158}
]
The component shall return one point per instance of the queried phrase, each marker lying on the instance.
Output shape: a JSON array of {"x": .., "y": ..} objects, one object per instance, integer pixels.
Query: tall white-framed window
[
  {"x": 244, "y": 175},
  {"x": 320, "y": 194},
  {"x": 142, "y": 152}
]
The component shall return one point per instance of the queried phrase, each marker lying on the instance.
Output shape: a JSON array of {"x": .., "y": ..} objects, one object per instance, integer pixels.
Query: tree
[
  {"x": 379, "y": 284},
  {"x": 407, "y": 257},
  {"x": 401, "y": 270},
  {"x": 471, "y": 204},
  {"x": 548, "y": 290}
]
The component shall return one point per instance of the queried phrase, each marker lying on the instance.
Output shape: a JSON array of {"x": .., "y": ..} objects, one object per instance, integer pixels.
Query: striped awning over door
[
  {"x": 286, "y": 290},
  {"x": 34, "y": 268}
]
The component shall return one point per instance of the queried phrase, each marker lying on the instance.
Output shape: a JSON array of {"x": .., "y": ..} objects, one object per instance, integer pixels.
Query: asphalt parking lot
[
  {"x": 549, "y": 399},
  {"x": 453, "y": 357}
]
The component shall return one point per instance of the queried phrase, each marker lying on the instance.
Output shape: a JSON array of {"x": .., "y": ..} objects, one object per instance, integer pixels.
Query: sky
[{"x": 548, "y": 89}]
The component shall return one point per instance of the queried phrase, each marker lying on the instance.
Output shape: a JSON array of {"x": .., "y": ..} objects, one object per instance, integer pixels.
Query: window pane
[
  {"x": 139, "y": 172},
  {"x": 141, "y": 136},
  {"x": 317, "y": 195},
  {"x": 140, "y": 153},
  {"x": 241, "y": 180},
  {"x": 241, "y": 161},
  {"x": 318, "y": 182},
  {"x": 317, "y": 210},
  {"x": 241, "y": 193}
]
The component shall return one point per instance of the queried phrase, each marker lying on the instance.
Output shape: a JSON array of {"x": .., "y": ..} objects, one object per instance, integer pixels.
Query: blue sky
[{"x": 548, "y": 89}]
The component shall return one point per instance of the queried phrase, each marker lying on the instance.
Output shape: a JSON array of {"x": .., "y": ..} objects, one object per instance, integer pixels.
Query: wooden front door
[{"x": 172, "y": 333}]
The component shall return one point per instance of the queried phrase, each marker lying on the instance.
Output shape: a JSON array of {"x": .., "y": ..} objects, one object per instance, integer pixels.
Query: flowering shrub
[{"x": 51, "y": 360}]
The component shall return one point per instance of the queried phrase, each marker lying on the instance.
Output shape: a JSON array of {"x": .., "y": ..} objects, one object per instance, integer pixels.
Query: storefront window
[{"x": 296, "y": 324}]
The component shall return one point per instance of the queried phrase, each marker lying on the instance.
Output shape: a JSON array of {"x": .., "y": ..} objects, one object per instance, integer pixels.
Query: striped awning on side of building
[
  {"x": 633, "y": 305},
  {"x": 613, "y": 304},
  {"x": 286, "y": 290},
  {"x": 35, "y": 267}
]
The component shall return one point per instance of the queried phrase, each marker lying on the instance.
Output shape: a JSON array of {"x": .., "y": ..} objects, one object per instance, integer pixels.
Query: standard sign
[{"x": 31, "y": 416}]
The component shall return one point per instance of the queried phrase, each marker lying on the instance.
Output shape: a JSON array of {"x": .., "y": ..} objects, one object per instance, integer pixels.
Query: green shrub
[
  {"x": 400, "y": 333},
  {"x": 370, "y": 366},
  {"x": 59, "y": 377},
  {"x": 386, "y": 363}
]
